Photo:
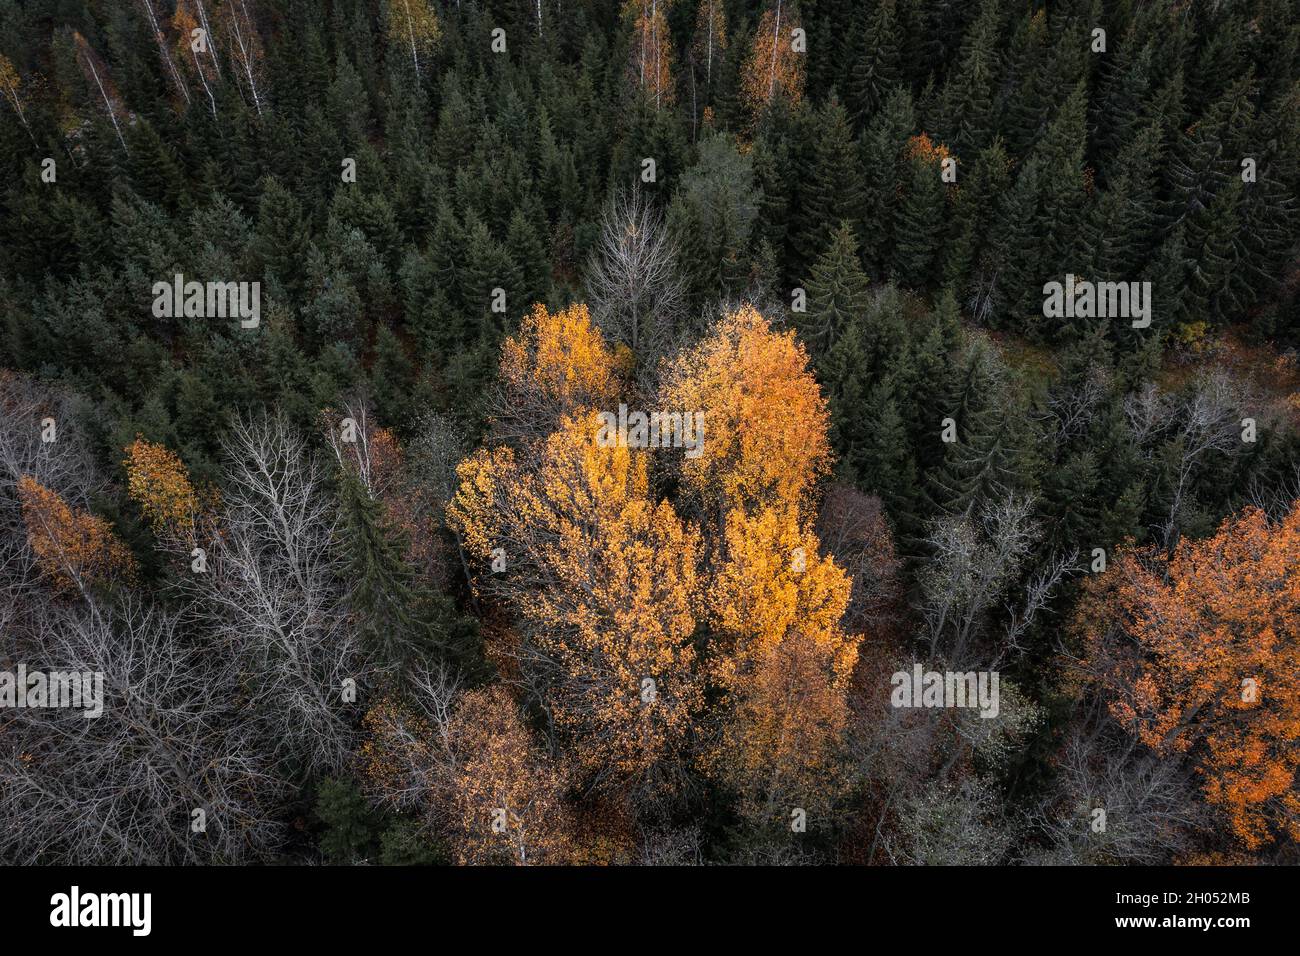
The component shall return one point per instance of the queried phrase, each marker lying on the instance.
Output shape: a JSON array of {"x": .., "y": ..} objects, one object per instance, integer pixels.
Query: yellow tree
[
  {"x": 605, "y": 580},
  {"x": 776, "y": 61},
  {"x": 159, "y": 483},
  {"x": 1199, "y": 653},
  {"x": 468, "y": 765},
  {"x": 765, "y": 419},
  {"x": 506, "y": 791},
  {"x": 413, "y": 25},
  {"x": 651, "y": 68},
  {"x": 556, "y": 364},
  {"x": 776, "y": 607}
]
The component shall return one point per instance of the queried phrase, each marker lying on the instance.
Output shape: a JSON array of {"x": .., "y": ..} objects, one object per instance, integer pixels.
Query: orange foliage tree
[
  {"x": 643, "y": 637},
  {"x": 776, "y": 608},
  {"x": 651, "y": 68},
  {"x": 774, "y": 65},
  {"x": 158, "y": 482},
  {"x": 556, "y": 364},
  {"x": 471, "y": 769},
  {"x": 73, "y": 547},
  {"x": 928, "y": 151},
  {"x": 605, "y": 578},
  {"x": 1199, "y": 654},
  {"x": 765, "y": 419},
  {"x": 507, "y": 792}
]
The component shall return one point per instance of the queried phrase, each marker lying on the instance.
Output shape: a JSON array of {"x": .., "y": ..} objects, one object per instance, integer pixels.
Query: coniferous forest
[{"x": 650, "y": 432}]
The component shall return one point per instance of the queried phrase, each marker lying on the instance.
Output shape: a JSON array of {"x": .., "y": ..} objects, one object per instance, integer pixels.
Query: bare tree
[
  {"x": 634, "y": 288},
  {"x": 245, "y": 47},
  {"x": 1187, "y": 429},
  {"x": 167, "y": 773},
  {"x": 852, "y": 527},
  {"x": 41, "y": 437},
  {"x": 1113, "y": 804},
  {"x": 974, "y": 559},
  {"x": 274, "y": 593}
]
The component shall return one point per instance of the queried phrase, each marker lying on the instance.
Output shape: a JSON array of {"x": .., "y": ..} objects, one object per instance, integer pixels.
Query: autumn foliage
[
  {"x": 931, "y": 152},
  {"x": 606, "y": 579},
  {"x": 766, "y": 421},
  {"x": 774, "y": 66},
  {"x": 158, "y": 482},
  {"x": 72, "y": 546},
  {"x": 640, "y": 626},
  {"x": 557, "y": 363},
  {"x": 1198, "y": 654}
]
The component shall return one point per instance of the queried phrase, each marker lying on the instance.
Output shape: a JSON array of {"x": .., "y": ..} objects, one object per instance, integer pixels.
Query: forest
[{"x": 650, "y": 432}]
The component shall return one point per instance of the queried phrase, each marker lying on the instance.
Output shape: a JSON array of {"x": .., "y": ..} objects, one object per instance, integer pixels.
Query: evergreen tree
[{"x": 837, "y": 292}]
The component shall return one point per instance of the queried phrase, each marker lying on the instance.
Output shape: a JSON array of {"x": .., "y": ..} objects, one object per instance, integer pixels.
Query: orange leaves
[
  {"x": 777, "y": 606},
  {"x": 928, "y": 151},
  {"x": 627, "y": 614},
  {"x": 765, "y": 442},
  {"x": 158, "y": 482},
  {"x": 1218, "y": 632},
  {"x": 606, "y": 580},
  {"x": 651, "y": 67},
  {"x": 560, "y": 354},
  {"x": 774, "y": 583},
  {"x": 774, "y": 65},
  {"x": 474, "y": 768},
  {"x": 73, "y": 547},
  {"x": 506, "y": 791}
]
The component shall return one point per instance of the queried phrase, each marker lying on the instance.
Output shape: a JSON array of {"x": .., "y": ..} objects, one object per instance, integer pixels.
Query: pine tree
[
  {"x": 837, "y": 293},
  {"x": 396, "y": 617},
  {"x": 966, "y": 103},
  {"x": 834, "y": 185},
  {"x": 282, "y": 237},
  {"x": 876, "y": 69},
  {"x": 883, "y": 167},
  {"x": 919, "y": 234}
]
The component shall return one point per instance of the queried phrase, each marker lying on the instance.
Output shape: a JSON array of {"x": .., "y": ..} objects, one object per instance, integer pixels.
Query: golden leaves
[
  {"x": 604, "y": 577},
  {"x": 773, "y": 65},
  {"x": 921, "y": 147},
  {"x": 158, "y": 482},
  {"x": 766, "y": 439},
  {"x": 73, "y": 547},
  {"x": 651, "y": 67},
  {"x": 560, "y": 355}
]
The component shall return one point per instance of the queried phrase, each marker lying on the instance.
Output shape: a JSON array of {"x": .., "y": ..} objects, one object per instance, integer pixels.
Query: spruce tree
[{"x": 837, "y": 292}]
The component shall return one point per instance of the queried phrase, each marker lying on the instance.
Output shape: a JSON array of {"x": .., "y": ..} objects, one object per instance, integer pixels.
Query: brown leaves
[
  {"x": 1212, "y": 675},
  {"x": 73, "y": 547}
]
